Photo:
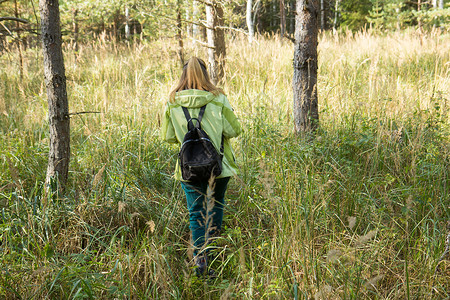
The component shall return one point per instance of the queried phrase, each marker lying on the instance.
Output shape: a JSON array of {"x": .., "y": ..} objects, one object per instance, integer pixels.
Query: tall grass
[{"x": 360, "y": 211}]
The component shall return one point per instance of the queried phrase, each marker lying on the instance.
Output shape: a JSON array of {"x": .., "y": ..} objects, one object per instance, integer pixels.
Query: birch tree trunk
[
  {"x": 336, "y": 14},
  {"x": 195, "y": 18},
  {"x": 127, "y": 23},
  {"x": 58, "y": 106},
  {"x": 304, "y": 84},
  {"x": 75, "y": 29},
  {"x": 216, "y": 40},
  {"x": 251, "y": 30}
]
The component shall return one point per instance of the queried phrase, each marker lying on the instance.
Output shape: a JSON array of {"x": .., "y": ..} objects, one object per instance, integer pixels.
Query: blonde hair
[{"x": 194, "y": 76}]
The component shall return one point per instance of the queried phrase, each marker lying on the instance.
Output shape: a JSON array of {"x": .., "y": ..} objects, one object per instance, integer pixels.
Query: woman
[{"x": 193, "y": 91}]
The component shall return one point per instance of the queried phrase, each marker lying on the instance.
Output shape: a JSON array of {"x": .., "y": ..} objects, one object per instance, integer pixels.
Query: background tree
[
  {"x": 216, "y": 40},
  {"x": 249, "y": 20},
  {"x": 282, "y": 19},
  {"x": 55, "y": 81},
  {"x": 304, "y": 84}
]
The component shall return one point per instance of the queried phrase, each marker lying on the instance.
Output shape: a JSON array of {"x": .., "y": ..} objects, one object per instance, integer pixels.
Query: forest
[{"x": 353, "y": 203}]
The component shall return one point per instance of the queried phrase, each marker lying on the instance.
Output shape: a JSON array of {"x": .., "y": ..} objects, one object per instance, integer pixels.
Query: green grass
[{"x": 359, "y": 211}]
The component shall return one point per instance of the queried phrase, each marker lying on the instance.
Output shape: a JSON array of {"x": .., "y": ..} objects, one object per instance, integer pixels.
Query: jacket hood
[{"x": 193, "y": 98}]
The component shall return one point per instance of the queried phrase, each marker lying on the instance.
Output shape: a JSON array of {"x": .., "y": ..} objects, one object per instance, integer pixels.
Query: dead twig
[{"x": 84, "y": 112}]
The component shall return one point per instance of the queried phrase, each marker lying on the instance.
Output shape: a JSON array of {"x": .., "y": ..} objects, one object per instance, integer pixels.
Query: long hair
[{"x": 194, "y": 76}]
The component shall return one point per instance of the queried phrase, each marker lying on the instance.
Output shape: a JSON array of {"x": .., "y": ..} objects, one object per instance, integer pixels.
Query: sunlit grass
[{"x": 360, "y": 211}]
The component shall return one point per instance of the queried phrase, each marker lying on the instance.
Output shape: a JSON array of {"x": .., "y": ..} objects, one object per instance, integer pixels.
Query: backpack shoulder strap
[
  {"x": 200, "y": 114},
  {"x": 189, "y": 119}
]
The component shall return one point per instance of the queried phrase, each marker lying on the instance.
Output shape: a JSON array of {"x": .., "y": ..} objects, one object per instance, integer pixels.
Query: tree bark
[
  {"x": 127, "y": 23},
  {"x": 75, "y": 29},
  {"x": 19, "y": 39},
  {"x": 336, "y": 14},
  {"x": 195, "y": 13},
  {"x": 216, "y": 40},
  {"x": 282, "y": 19},
  {"x": 322, "y": 14},
  {"x": 58, "y": 106},
  {"x": 179, "y": 34},
  {"x": 249, "y": 19},
  {"x": 306, "y": 116}
]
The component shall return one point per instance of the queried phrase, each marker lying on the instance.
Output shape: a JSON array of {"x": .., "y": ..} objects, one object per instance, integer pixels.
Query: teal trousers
[{"x": 205, "y": 213}]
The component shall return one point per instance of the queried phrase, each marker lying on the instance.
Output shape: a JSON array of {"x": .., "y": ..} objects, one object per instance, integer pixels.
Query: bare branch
[
  {"x": 232, "y": 28},
  {"x": 203, "y": 44},
  {"x": 14, "y": 19},
  {"x": 9, "y": 31},
  {"x": 84, "y": 112}
]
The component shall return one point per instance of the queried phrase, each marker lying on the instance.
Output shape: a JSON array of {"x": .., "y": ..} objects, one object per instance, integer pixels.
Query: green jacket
[{"x": 219, "y": 119}]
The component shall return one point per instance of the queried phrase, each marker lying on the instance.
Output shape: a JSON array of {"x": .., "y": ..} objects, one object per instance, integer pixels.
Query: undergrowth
[{"x": 359, "y": 210}]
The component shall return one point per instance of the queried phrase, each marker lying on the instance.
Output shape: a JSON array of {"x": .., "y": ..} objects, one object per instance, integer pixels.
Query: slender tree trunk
[
  {"x": 188, "y": 19},
  {"x": 336, "y": 14},
  {"x": 195, "y": 18},
  {"x": 304, "y": 84},
  {"x": 292, "y": 25},
  {"x": 282, "y": 19},
  {"x": 441, "y": 4},
  {"x": 75, "y": 30},
  {"x": 116, "y": 24},
  {"x": 216, "y": 40},
  {"x": 179, "y": 34},
  {"x": 322, "y": 14},
  {"x": 419, "y": 18},
  {"x": 251, "y": 30},
  {"x": 58, "y": 106},
  {"x": 19, "y": 40},
  {"x": 127, "y": 23}
]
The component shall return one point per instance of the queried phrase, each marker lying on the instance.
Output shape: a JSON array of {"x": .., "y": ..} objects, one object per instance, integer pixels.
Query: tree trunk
[
  {"x": 127, "y": 23},
  {"x": 419, "y": 18},
  {"x": 304, "y": 84},
  {"x": 322, "y": 15},
  {"x": 195, "y": 18},
  {"x": 336, "y": 14},
  {"x": 441, "y": 4},
  {"x": 58, "y": 106},
  {"x": 292, "y": 19},
  {"x": 19, "y": 39},
  {"x": 282, "y": 19},
  {"x": 75, "y": 30},
  {"x": 216, "y": 40},
  {"x": 251, "y": 30},
  {"x": 179, "y": 34}
]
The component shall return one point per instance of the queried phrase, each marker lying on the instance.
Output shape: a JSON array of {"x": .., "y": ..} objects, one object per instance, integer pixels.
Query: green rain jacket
[{"x": 219, "y": 119}]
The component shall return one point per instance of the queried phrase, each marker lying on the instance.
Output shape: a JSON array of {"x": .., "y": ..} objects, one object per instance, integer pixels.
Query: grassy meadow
[{"x": 359, "y": 211}]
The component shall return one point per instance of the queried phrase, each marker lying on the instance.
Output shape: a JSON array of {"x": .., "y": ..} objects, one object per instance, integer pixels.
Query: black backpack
[{"x": 199, "y": 159}]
